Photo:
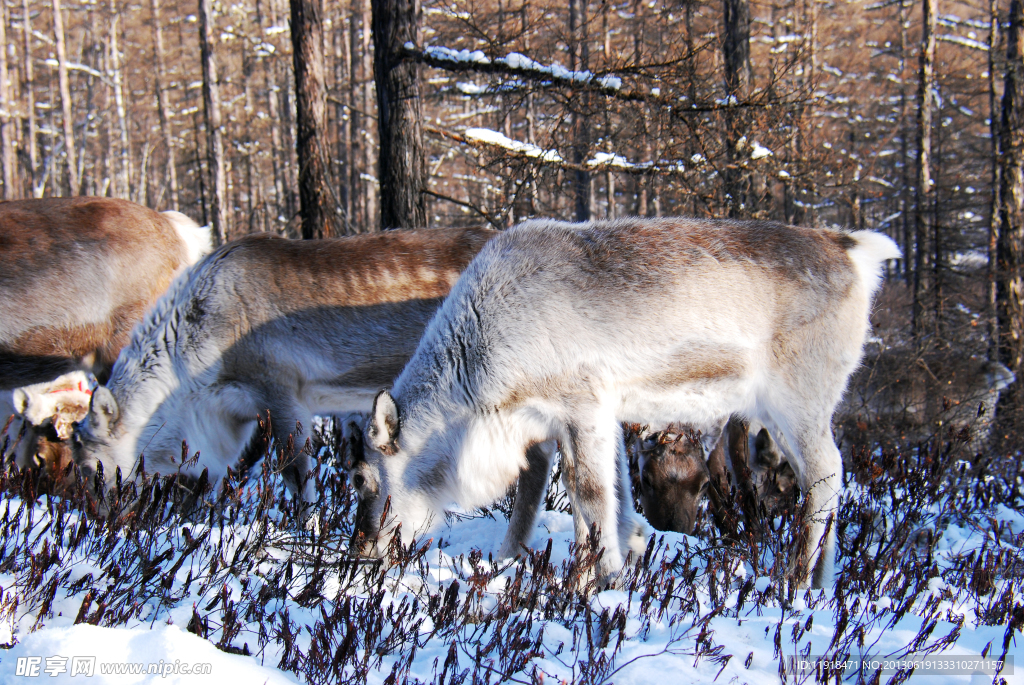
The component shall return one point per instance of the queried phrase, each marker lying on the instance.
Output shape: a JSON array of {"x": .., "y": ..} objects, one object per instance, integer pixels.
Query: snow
[
  {"x": 758, "y": 151},
  {"x": 467, "y": 88},
  {"x": 519, "y": 63},
  {"x": 449, "y": 55},
  {"x": 165, "y": 646},
  {"x": 610, "y": 159},
  {"x": 490, "y": 137},
  {"x": 654, "y": 645},
  {"x": 719, "y": 640},
  {"x": 966, "y": 42}
]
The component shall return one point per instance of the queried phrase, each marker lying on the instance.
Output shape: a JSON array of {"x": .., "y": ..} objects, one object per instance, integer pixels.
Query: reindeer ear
[
  {"x": 384, "y": 425},
  {"x": 20, "y": 401},
  {"x": 103, "y": 409},
  {"x": 767, "y": 452}
]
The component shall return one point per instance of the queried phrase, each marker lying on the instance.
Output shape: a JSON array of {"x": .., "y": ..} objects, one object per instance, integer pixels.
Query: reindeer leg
[
  {"x": 533, "y": 483},
  {"x": 286, "y": 416},
  {"x": 594, "y": 480},
  {"x": 819, "y": 473}
]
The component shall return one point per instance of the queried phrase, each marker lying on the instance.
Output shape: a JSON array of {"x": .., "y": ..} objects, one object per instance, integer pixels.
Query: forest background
[{"x": 315, "y": 119}]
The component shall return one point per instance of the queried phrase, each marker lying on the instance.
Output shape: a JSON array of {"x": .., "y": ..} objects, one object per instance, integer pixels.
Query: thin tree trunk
[
  {"x": 200, "y": 175},
  {"x": 8, "y": 160},
  {"x": 937, "y": 274},
  {"x": 369, "y": 145},
  {"x": 124, "y": 169},
  {"x": 343, "y": 115},
  {"x": 995, "y": 214},
  {"x": 30, "y": 99},
  {"x": 214, "y": 133},
  {"x": 162, "y": 106},
  {"x": 736, "y": 58},
  {"x": 357, "y": 202},
  {"x": 926, "y": 86},
  {"x": 1011, "y": 233},
  {"x": 65, "y": 98},
  {"x": 403, "y": 172},
  {"x": 316, "y": 201},
  {"x": 580, "y": 127},
  {"x": 904, "y": 174}
]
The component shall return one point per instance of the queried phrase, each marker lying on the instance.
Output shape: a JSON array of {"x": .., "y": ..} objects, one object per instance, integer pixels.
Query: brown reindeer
[
  {"x": 673, "y": 475},
  {"x": 47, "y": 413},
  {"x": 76, "y": 274},
  {"x": 897, "y": 396}
]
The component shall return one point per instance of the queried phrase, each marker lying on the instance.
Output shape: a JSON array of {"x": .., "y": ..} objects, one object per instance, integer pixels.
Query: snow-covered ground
[{"x": 439, "y": 616}]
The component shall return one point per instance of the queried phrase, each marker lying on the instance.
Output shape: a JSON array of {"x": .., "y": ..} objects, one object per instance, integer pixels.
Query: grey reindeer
[
  {"x": 292, "y": 327},
  {"x": 536, "y": 344}
]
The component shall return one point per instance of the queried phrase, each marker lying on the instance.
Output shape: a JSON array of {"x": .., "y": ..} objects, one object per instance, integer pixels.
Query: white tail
[
  {"x": 870, "y": 254},
  {"x": 198, "y": 240}
]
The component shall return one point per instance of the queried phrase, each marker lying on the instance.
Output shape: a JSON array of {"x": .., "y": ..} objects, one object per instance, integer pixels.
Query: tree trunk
[
  {"x": 8, "y": 160},
  {"x": 124, "y": 171},
  {"x": 580, "y": 126},
  {"x": 65, "y": 98},
  {"x": 343, "y": 114},
  {"x": 360, "y": 223},
  {"x": 736, "y": 58},
  {"x": 161, "y": 103},
  {"x": 315, "y": 198},
  {"x": 1011, "y": 233},
  {"x": 371, "y": 189},
  {"x": 923, "y": 189},
  {"x": 30, "y": 100},
  {"x": 995, "y": 212},
  {"x": 904, "y": 175},
  {"x": 214, "y": 134},
  {"x": 403, "y": 172}
]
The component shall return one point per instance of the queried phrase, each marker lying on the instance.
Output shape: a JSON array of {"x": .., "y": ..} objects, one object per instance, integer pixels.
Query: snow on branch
[
  {"x": 524, "y": 69},
  {"x": 514, "y": 64},
  {"x": 966, "y": 42},
  {"x": 601, "y": 161},
  {"x": 489, "y": 137},
  {"x": 486, "y": 138}
]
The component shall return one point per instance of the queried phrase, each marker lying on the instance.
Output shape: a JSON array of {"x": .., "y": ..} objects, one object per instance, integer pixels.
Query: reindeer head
[
  {"x": 673, "y": 479},
  {"x": 398, "y": 482}
]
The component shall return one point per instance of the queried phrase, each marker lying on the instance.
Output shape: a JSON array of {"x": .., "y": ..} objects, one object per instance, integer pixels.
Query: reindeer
[
  {"x": 295, "y": 328},
  {"x": 674, "y": 472},
  {"x": 76, "y": 274},
  {"x": 900, "y": 395},
  {"x": 535, "y": 345},
  {"x": 46, "y": 414}
]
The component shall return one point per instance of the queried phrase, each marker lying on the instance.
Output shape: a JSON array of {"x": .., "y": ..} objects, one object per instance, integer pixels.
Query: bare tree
[
  {"x": 923, "y": 186},
  {"x": 123, "y": 176},
  {"x": 315, "y": 196},
  {"x": 1011, "y": 234},
  {"x": 65, "y": 98},
  {"x": 7, "y": 156},
  {"x": 579, "y": 57},
  {"x": 30, "y": 104},
  {"x": 736, "y": 58},
  {"x": 161, "y": 103},
  {"x": 995, "y": 210},
  {"x": 214, "y": 133},
  {"x": 403, "y": 172}
]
